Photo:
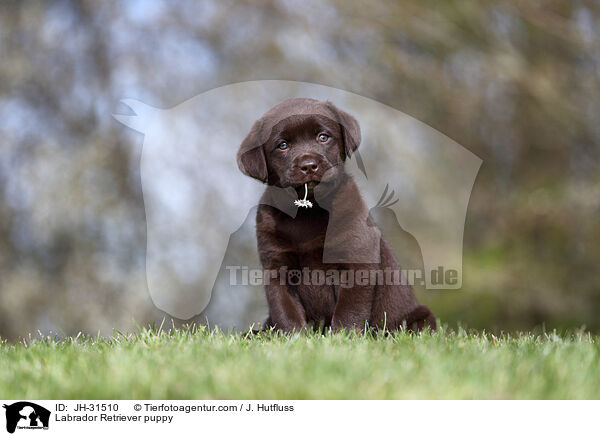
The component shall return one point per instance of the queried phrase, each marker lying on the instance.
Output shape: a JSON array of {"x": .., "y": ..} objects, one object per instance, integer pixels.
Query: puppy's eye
[
  {"x": 283, "y": 145},
  {"x": 323, "y": 137}
]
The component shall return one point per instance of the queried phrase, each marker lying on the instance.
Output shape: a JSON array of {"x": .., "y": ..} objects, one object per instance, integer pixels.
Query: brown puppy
[{"x": 304, "y": 142}]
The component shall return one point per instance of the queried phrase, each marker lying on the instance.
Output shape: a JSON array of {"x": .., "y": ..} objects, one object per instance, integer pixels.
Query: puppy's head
[{"x": 299, "y": 141}]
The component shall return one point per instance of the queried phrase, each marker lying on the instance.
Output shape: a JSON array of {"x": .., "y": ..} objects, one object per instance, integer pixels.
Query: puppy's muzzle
[
  {"x": 308, "y": 164},
  {"x": 308, "y": 168}
]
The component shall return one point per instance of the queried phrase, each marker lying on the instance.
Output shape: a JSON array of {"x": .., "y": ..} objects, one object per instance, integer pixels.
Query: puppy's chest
[{"x": 306, "y": 234}]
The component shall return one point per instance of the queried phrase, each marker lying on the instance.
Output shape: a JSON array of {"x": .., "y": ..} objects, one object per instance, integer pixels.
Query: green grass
[{"x": 196, "y": 363}]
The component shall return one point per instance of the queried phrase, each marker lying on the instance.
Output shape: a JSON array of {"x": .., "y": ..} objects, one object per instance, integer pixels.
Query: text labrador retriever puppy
[{"x": 299, "y": 148}]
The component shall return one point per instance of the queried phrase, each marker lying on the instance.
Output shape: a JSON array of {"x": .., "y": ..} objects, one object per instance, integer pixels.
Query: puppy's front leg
[
  {"x": 353, "y": 308},
  {"x": 286, "y": 311}
]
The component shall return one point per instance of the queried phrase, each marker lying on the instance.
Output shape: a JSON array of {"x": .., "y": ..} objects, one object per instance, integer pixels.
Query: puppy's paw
[{"x": 420, "y": 318}]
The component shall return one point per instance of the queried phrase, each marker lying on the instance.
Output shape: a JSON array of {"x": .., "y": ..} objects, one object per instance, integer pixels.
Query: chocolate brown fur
[{"x": 328, "y": 236}]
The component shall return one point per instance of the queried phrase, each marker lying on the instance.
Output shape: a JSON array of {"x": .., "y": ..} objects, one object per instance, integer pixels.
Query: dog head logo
[
  {"x": 195, "y": 196},
  {"x": 26, "y": 415}
]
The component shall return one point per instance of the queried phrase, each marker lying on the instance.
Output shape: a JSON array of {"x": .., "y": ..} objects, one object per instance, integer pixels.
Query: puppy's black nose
[{"x": 308, "y": 165}]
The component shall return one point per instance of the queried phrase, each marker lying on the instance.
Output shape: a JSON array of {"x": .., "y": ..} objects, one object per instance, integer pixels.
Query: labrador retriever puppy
[{"x": 298, "y": 148}]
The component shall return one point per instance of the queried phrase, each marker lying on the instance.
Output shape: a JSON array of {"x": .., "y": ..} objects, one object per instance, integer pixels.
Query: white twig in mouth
[{"x": 304, "y": 202}]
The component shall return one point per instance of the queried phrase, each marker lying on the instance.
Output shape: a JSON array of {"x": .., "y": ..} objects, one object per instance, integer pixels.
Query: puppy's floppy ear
[
  {"x": 350, "y": 128},
  {"x": 251, "y": 156}
]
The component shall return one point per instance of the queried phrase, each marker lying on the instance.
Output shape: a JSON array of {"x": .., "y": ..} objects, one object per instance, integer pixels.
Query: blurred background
[{"x": 516, "y": 83}]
